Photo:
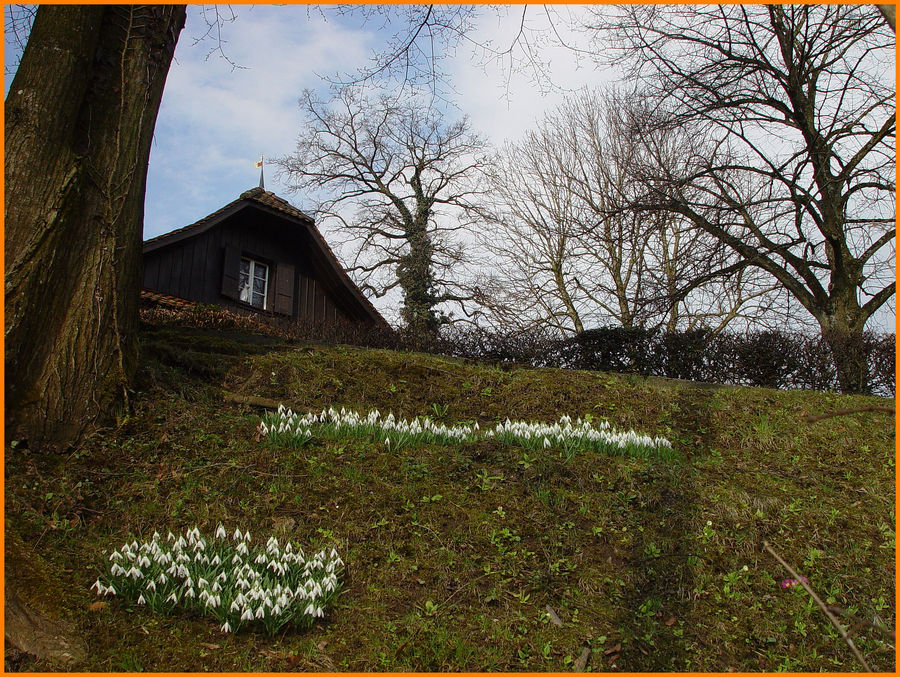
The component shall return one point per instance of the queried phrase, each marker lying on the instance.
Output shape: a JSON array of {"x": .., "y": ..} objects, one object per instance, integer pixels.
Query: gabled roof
[
  {"x": 254, "y": 195},
  {"x": 259, "y": 198}
]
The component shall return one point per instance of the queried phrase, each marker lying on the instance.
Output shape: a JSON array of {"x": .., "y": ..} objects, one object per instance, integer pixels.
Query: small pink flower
[{"x": 791, "y": 582}]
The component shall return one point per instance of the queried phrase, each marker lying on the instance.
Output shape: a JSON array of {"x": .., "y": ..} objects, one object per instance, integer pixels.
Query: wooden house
[{"x": 257, "y": 254}]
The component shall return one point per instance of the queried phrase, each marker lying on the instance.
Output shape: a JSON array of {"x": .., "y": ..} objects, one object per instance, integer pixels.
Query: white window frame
[{"x": 254, "y": 265}]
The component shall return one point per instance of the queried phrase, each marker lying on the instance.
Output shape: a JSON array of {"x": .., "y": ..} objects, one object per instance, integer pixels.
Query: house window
[{"x": 253, "y": 283}]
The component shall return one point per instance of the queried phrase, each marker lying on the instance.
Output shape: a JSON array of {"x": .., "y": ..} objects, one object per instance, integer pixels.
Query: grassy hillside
[{"x": 454, "y": 554}]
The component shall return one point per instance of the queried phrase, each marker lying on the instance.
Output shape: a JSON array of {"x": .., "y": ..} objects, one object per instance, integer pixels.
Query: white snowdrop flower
[
  {"x": 151, "y": 586},
  {"x": 98, "y": 586},
  {"x": 247, "y": 536},
  {"x": 276, "y": 610},
  {"x": 116, "y": 570},
  {"x": 226, "y": 627},
  {"x": 110, "y": 590},
  {"x": 202, "y": 583},
  {"x": 260, "y": 612},
  {"x": 236, "y": 559},
  {"x": 247, "y": 615},
  {"x": 135, "y": 573},
  {"x": 220, "y": 531},
  {"x": 320, "y": 612},
  {"x": 172, "y": 598},
  {"x": 261, "y": 558},
  {"x": 216, "y": 561},
  {"x": 242, "y": 548},
  {"x": 115, "y": 556},
  {"x": 162, "y": 578},
  {"x": 141, "y": 601},
  {"x": 170, "y": 536},
  {"x": 216, "y": 587},
  {"x": 310, "y": 610},
  {"x": 237, "y": 535},
  {"x": 190, "y": 593}
]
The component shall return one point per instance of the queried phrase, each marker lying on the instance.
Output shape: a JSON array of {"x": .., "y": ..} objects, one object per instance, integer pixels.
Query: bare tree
[
  {"x": 572, "y": 253},
  {"x": 793, "y": 111},
  {"x": 400, "y": 182},
  {"x": 421, "y": 38}
]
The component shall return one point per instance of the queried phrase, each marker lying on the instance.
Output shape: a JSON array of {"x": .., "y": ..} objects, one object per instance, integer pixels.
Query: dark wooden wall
[{"x": 193, "y": 269}]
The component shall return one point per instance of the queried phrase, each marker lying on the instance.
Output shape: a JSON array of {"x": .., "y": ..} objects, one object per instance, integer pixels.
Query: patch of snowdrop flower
[
  {"x": 288, "y": 428},
  {"x": 578, "y": 436},
  {"x": 226, "y": 577}
]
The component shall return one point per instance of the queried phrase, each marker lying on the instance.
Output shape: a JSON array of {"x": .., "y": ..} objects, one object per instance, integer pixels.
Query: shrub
[{"x": 758, "y": 358}]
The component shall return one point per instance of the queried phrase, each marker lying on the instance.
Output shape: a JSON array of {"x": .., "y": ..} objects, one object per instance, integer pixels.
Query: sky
[{"x": 215, "y": 120}]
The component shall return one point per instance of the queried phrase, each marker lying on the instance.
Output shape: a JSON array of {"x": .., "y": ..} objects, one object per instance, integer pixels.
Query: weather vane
[{"x": 260, "y": 165}]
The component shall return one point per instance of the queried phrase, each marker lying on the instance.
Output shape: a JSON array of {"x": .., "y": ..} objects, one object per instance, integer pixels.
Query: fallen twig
[
  {"x": 834, "y": 621},
  {"x": 863, "y": 622}
]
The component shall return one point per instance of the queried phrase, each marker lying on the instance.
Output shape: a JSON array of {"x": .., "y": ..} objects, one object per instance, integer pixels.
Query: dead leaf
[
  {"x": 97, "y": 606},
  {"x": 581, "y": 662},
  {"x": 670, "y": 620},
  {"x": 553, "y": 616},
  {"x": 145, "y": 630},
  {"x": 321, "y": 645},
  {"x": 209, "y": 646},
  {"x": 613, "y": 649}
]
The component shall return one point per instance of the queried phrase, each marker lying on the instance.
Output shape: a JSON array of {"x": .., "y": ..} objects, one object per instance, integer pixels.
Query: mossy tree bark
[{"x": 79, "y": 121}]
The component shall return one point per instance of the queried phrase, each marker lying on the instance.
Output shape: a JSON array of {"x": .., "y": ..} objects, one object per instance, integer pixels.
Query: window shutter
[
  {"x": 284, "y": 289},
  {"x": 231, "y": 272}
]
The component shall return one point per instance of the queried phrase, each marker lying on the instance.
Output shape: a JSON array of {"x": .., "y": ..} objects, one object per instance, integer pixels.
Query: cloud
[{"x": 215, "y": 120}]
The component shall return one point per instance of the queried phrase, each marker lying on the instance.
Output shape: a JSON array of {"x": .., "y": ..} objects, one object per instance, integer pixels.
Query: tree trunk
[
  {"x": 843, "y": 330},
  {"x": 79, "y": 121},
  {"x": 417, "y": 282}
]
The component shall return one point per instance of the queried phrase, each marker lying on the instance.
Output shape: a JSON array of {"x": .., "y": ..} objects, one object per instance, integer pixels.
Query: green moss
[{"x": 644, "y": 554}]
